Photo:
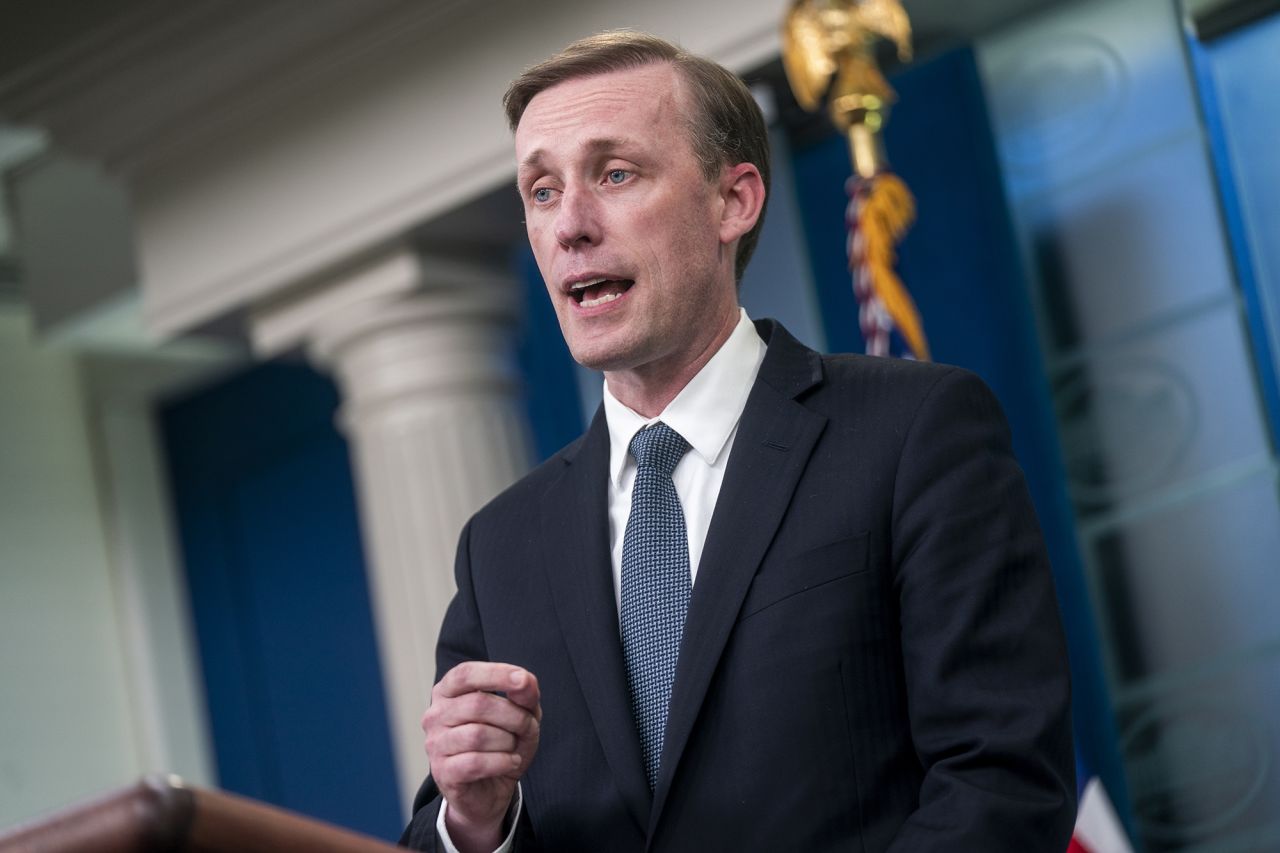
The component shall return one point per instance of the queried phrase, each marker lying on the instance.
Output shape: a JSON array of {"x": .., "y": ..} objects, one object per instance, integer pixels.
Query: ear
[{"x": 742, "y": 196}]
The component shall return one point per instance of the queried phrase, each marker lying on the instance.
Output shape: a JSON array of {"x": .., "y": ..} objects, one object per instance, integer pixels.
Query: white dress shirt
[{"x": 706, "y": 413}]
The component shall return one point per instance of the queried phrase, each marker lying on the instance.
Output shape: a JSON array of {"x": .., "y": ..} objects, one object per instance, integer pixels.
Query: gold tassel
[{"x": 886, "y": 212}]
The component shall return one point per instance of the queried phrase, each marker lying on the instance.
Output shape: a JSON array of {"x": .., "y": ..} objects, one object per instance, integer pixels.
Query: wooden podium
[{"x": 162, "y": 814}]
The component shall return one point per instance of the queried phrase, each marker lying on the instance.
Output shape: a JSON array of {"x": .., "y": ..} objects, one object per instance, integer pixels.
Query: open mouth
[{"x": 598, "y": 291}]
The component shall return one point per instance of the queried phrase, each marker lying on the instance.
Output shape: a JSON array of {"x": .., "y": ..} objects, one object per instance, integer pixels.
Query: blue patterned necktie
[{"x": 655, "y": 585}]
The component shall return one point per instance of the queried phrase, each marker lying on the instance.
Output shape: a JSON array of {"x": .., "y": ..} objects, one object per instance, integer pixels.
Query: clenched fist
[{"x": 482, "y": 732}]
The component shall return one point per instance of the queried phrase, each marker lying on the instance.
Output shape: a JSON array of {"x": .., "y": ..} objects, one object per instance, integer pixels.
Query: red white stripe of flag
[{"x": 1098, "y": 829}]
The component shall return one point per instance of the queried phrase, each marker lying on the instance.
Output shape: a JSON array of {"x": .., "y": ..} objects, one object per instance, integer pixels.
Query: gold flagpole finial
[{"x": 829, "y": 53}]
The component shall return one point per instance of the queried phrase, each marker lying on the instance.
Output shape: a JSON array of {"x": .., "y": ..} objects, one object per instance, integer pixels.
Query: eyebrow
[{"x": 603, "y": 143}]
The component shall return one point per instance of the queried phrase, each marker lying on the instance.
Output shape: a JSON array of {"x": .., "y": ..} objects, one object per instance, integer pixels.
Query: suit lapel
[
  {"x": 581, "y": 580},
  {"x": 775, "y": 438}
]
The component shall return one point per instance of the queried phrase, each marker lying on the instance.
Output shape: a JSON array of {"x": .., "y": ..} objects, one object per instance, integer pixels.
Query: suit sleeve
[
  {"x": 461, "y": 639},
  {"x": 985, "y": 662}
]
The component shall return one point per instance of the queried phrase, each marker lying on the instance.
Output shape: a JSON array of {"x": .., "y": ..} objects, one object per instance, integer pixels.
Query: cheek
[
  {"x": 692, "y": 242},
  {"x": 679, "y": 236}
]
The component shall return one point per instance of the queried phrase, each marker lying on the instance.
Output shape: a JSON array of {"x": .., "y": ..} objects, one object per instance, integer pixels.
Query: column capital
[
  {"x": 334, "y": 304},
  {"x": 399, "y": 325}
]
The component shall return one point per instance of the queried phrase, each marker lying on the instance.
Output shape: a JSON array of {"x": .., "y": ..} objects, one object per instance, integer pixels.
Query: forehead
[{"x": 638, "y": 102}]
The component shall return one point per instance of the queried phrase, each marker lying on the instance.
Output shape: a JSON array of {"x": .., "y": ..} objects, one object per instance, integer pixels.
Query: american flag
[{"x": 1098, "y": 829}]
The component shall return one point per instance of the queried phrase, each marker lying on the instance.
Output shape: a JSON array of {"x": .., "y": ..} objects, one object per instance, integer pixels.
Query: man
[{"x": 770, "y": 600}]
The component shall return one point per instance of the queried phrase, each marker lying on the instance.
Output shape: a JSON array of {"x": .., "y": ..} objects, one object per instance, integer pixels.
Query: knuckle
[
  {"x": 445, "y": 773},
  {"x": 453, "y": 677},
  {"x": 432, "y": 743},
  {"x": 470, "y": 766},
  {"x": 471, "y": 738},
  {"x": 473, "y": 705}
]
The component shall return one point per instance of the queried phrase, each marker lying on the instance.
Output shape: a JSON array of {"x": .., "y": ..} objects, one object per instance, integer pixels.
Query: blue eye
[
  {"x": 542, "y": 194},
  {"x": 617, "y": 176}
]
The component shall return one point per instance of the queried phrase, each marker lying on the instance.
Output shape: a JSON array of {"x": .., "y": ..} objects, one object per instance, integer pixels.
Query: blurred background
[{"x": 269, "y": 333}]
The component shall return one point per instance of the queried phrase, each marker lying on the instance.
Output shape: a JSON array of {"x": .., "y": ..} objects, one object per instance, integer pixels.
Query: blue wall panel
[{"x": 267, "y": 517}]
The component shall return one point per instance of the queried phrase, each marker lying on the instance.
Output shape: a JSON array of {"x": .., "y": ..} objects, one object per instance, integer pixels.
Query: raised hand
[{"x": 481, "y": 733}]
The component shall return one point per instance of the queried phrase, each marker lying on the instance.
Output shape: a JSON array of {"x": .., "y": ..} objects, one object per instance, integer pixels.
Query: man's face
[{"x": 626, "y": 229}]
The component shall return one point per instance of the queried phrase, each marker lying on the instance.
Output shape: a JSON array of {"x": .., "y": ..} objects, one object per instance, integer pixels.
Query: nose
[{"x": 577, "y": 219}]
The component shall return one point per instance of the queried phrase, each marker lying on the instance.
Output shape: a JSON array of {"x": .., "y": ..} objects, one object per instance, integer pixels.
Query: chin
[
  {"x": 594, "y": 359},
  {"x": 601, "y": 355}
]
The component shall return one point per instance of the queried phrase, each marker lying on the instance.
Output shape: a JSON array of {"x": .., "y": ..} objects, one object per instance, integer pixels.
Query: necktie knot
[{"x": 659, "y": 447}]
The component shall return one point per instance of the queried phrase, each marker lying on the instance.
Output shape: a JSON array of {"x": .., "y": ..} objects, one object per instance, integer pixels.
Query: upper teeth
[{"x": 582, "y": 285}]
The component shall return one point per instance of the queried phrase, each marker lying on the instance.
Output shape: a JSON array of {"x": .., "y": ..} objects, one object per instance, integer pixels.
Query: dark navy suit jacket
[{"x": 872, "y": 659}]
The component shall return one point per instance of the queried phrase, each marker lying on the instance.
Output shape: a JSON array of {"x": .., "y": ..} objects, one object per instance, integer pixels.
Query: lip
[
  {"x": 566, "y": 285},
  {"x": 594, "y": 310}
]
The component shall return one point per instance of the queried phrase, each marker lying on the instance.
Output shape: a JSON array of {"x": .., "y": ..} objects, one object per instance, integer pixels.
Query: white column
[{"x": 422, "y": 351}]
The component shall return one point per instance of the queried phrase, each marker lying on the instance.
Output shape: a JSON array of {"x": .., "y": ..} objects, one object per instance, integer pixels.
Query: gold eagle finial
[{"x": 828, "y": 51}]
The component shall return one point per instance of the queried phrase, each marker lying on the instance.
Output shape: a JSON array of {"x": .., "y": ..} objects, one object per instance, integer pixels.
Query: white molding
[
  {"x": 157, "y": 634},
  {"x": 166, "y": 688}
]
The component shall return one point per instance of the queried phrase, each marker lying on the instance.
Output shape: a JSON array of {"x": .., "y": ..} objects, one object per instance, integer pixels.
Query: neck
[{"x": 648, "y": 389}]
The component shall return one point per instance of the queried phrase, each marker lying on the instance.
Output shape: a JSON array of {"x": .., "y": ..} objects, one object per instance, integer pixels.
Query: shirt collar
[{"x": 705, "y": 411}]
